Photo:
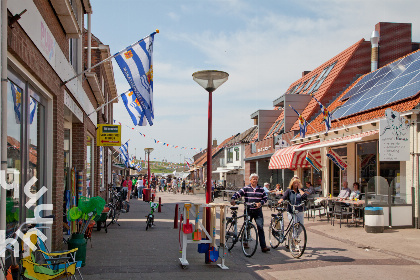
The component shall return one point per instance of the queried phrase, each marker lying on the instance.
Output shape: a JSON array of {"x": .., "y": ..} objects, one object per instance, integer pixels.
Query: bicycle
[
  {"x": 115, "y": 207},
  {"x": 295, "y": 231},
  {"x": 247, "y": 235},
  {"x": 151, "y": 217}
]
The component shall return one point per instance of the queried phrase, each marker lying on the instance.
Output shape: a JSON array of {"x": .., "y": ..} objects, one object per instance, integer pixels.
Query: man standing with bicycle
[{"x": 253, "y": 193}]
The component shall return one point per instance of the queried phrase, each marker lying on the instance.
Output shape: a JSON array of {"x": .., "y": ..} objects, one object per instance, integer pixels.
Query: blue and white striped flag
[
  {"x": 124, "y": 153},
  {"x": 136, "y": 63},
  {"x": 134, "y": 110},
  {"x": 326, "y": 114}
]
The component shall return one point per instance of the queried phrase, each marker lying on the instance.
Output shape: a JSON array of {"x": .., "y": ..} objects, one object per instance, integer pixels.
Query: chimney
[
  {"x": 214, "y": 143},
  {"x": 374, "y": 40},
  {"x": 305, "y": 72}
]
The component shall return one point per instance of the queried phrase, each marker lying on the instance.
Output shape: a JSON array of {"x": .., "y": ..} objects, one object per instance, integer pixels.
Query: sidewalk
[{"x": 129, "y": 251}]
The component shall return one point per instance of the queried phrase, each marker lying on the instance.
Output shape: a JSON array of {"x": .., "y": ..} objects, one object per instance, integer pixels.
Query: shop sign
[
  {"x": 263, "y": 149},
  {"x": 394, "y": 137},
  {"x": 108, "y": 135}
]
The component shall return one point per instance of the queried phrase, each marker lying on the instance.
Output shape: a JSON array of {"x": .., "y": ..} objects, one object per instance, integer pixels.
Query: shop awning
[
  {"x": 290, "y": 158},
  {"x": 341, "y": 140}
]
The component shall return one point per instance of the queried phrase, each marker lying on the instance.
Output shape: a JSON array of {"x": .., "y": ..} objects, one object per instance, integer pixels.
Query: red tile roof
[
  {"x": 352, "y": 61},
  {"x": 203, "y": 159}
]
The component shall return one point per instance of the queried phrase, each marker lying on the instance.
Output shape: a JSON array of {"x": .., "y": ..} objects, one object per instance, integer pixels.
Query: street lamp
[
  {"x": 210, "y": 80},
  {"x": 148, "y": 151}
]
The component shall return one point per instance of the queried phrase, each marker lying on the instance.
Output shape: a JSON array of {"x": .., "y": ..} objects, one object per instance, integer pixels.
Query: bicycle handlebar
[
  {"x": 253, "y": 204},
  {"x": 294, "y": 206}
]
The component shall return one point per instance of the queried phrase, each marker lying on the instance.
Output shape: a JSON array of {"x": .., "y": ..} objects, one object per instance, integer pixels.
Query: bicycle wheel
[
  {"x": 274, "y": 232},
  {"x": 297, "y": 240},
  {"x": 230, "y": 235},
  {"x": 249, "y": 240},
  {"x": 111, "y": 215}
]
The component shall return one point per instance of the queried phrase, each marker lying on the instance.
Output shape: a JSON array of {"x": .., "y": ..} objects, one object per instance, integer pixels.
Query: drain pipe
[
  {"x": 374, "y": 40},
  {"x": 89, "y": 41},
  {"x": 3, "y": 110}
]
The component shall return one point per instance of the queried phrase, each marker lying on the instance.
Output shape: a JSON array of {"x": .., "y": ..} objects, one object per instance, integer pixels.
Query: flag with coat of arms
[
  {"x": 326, "y": 114},
  {"x": 134, "y": 109},
  {"x": 136, "y": 63},
  {"x": 124, "y": 153},
  {"x": 302, "y": 124}
]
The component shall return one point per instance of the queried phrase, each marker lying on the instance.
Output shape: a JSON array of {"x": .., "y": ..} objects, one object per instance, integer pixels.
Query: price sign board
[{"x": 108, "y": 135}]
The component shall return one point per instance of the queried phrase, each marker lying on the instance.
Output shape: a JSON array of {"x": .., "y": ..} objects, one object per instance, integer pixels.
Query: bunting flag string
[{"x": 159, "y": 141}]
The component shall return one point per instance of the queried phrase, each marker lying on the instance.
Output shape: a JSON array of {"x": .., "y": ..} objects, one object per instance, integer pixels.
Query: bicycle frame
[
  {"x": 234, "y": 219},
  {"x": 292, "y": 222}
]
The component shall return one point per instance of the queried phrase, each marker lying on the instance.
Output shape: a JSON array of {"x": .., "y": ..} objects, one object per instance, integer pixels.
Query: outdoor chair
[
  {"x": 68, "y": 258},
  {"x": 54, "y": 265},
  {"x": 341, "y": 210}
]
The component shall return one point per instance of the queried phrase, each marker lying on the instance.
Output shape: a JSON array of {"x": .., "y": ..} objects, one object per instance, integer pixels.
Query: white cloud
[{"x": 264, "y": 46}]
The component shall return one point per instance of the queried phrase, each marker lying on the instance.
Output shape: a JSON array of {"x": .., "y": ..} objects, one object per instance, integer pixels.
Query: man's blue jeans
[
  {"x": 258, "y": 216},
  {"x": 140, "y": 192}
]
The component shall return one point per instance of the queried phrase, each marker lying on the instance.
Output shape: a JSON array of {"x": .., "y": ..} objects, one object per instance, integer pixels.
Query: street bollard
[
  {"x": 160, "y": 204},
  {"x": 153, "y": 197},
  {"x": 176, "y": 217}
]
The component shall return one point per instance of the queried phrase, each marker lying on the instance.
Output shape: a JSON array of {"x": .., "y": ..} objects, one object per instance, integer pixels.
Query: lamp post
[
  {"x": 210, "y": 80},
  {"x": 148, "y": 151}
]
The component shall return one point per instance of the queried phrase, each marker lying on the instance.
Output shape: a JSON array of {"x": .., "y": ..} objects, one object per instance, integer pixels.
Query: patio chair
[
  {"x": 51, "y": 258},
  {"x": 341, "y": 210},
  {"x": 56, "y": 268}
]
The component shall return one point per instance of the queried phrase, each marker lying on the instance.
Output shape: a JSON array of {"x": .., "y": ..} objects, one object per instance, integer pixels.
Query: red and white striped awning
[{"x": 289, "y": 158}]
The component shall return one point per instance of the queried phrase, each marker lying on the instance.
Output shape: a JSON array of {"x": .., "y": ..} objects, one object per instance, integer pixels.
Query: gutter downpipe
[
  {"x": 3, "y": 110},
  {"x": 89, "y": 41}
]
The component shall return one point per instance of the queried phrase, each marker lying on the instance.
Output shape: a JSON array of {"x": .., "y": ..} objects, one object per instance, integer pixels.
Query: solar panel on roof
[{"x": 393, "y": 82}]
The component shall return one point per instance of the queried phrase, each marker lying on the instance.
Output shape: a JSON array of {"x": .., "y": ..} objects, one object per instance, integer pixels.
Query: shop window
[
  {"x": 25, "y": 148},
  {"x": 367, "y": 165},
  {"x": 393, "y": 184},
  {"x": 89, "y": 167},
  {"x": 338, "y": 176}
]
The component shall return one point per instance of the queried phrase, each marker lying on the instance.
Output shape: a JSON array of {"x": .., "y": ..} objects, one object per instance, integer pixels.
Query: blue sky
[{"x": 263, "y": 45}]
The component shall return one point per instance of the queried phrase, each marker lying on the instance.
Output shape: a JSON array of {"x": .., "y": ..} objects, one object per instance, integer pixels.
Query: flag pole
[
  {"x": 103, "y": 105},
  {"x": 108, "y": 58},
  {"x": 304, "y": 119}
]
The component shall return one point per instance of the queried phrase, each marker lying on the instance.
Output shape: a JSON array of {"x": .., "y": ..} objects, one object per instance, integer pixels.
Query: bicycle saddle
[{"x": 234, "y": 208}]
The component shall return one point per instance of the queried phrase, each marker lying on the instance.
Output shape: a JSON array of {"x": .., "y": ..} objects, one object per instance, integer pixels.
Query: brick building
[
  {"x": 277, "y": 127},
  {"x": 51, "y": 126}
]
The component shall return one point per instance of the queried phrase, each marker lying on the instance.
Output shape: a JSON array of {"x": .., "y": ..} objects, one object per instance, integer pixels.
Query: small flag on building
[
  {"x": 326, "y": 114},
  {"x": 302, "y": 124},
  {"x": 312, "y": 161},
  {"x": 336, "y": 159}
]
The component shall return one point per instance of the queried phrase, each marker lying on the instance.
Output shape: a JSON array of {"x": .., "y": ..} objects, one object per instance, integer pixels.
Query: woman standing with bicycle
[
  {"x": 253, "y": 193},
  {"x": 294, "y": 194}
]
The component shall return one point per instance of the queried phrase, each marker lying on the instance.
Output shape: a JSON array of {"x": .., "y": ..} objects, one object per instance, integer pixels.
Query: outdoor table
[
  {"x": 226, "y": 193},
  {"x": 354, "y": 205}
]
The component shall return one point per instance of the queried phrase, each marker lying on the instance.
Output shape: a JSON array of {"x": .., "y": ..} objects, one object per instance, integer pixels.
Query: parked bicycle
[
  {"x": 295, "y": 232},
  {"x": 151, "y": 217},
  {"x": 248, "y": 233},
  {"x": 117, "y": 205}
]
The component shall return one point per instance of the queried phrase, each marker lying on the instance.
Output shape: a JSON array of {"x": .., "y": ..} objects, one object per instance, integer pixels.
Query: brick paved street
[{"x": 130, "y": 252}]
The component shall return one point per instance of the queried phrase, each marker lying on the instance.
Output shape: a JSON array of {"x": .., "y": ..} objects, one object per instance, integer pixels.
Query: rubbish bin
[
  {"x": 374, "y": 219},
  {"x": 147, "y": 193},
  {"x": 78, "y": 241}
]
